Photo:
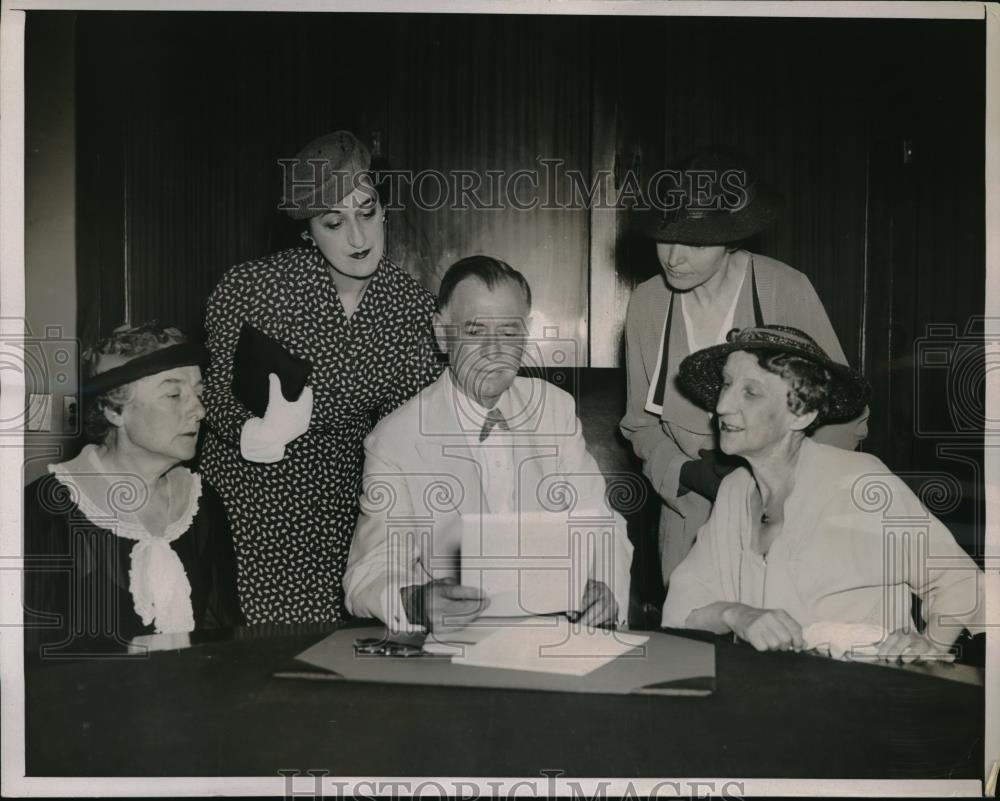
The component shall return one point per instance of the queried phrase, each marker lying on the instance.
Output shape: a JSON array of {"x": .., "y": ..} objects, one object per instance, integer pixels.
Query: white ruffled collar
[
  {"x": 161, "y": 591},
  {"x": 105, "y": 497}
]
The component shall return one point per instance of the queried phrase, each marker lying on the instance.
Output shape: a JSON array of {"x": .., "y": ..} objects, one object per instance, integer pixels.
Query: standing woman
[
  {"x": 709, "y": 286},
  {"x": 290, "y": 479}
]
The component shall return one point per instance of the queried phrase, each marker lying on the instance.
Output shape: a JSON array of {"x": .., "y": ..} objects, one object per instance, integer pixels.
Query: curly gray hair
[{"x": 129, "y": 342}]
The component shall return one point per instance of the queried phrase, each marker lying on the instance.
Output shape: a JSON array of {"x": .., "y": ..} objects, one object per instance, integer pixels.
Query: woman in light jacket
[{"x": 709, "y": 286}]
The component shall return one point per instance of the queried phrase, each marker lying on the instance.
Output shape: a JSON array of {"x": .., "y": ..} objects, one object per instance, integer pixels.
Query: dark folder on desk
[
  {"x": 664, "y": 665},
  {"x": 257, "y": 355}
]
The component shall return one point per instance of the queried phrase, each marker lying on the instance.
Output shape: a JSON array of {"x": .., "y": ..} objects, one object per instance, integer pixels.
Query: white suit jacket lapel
[{"x": 443, "y": 445}]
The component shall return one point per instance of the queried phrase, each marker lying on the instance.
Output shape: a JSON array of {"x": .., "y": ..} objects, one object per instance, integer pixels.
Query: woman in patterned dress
[{"x": 290, "y": 479}]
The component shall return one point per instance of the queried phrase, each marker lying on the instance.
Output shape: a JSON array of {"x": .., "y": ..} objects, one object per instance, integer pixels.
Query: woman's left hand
[{"x": 912, "y": 647}]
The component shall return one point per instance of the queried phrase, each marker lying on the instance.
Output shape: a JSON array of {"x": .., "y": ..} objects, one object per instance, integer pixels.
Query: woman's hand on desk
[
  {"x": 764, "y": 629},
  {"x": 442, "y": 605},
  {"x": 912, "y": 647},
  {"x": 599, "y": 607}
]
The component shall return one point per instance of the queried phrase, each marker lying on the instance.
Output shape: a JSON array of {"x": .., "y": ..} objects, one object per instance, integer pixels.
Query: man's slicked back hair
[{"x": 491, "y": 271}]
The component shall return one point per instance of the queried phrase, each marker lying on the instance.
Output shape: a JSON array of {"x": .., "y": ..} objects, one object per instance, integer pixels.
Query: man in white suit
[{"x": 478, "y": 440}]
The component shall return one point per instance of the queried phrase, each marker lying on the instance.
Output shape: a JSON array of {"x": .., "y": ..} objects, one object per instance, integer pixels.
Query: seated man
[{"x": 478, "y": 440}]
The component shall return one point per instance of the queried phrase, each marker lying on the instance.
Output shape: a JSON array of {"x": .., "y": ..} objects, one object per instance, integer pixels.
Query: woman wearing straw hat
[
  {"x": 797, "y": 548},
  {"x": 290, "y": 478},
  {"x": 709, "y": 285}
]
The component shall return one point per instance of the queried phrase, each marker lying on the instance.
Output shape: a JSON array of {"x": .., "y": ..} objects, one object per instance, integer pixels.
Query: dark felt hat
[
  {"x": 323, "y": 173},
  {"x": 700, "y": 374},
  {"x": 717, "y": 197}
]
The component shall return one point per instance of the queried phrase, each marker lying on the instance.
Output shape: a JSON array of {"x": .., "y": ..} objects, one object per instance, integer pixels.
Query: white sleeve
[
  {"x": 944, "y": 576},
  {"x": 383, "y": 558}
]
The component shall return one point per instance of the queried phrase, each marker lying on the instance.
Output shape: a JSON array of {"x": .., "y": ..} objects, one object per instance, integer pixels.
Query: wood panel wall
[
  {"x": 202, "y": 112},
  {"x": 785, "y": 91},
  {"x": 496, "y": 94},
  {"x": 183, "y": 116},
  {"x": 924, "y": 331},
  {"x": 183, "y": 119}
]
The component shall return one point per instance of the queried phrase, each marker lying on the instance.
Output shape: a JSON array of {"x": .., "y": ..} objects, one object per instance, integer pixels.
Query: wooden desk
[{"x": 215, "y": 710}]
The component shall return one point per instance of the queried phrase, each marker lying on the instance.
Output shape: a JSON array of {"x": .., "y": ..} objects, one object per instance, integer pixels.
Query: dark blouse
[{"x": 76, "y": 579}]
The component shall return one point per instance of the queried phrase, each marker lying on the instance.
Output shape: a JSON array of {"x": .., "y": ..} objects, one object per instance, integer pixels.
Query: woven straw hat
[{"x": 700, "y": 374}]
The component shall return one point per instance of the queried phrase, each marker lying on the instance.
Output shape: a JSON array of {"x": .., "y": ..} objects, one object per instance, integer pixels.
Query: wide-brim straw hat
[
  {"x": 323, "y": 173},
  {"x": 721, "y": 200},
  {"x": 700, "y": 374}
]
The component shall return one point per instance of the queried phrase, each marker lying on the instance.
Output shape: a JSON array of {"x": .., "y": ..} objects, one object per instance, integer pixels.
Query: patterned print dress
[{"x": 293, "y": 520}]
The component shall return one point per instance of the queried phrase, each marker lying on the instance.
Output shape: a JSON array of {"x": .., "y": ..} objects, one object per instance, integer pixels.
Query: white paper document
[
  {"x": 533, "y": 563},
  {"x": 540, "y": 644}
]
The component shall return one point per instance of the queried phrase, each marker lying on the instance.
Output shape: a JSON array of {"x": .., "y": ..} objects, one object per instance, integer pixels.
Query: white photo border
[{"x": 12, "y": 308}]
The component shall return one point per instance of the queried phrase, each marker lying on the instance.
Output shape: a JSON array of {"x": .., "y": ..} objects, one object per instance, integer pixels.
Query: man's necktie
[{"x": 494, "y": 419}]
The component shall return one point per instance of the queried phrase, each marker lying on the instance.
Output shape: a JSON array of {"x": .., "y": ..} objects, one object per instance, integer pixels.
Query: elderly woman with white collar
[
  {"x": 795, "y": 555},
  {"x": 127, "y": 539}
]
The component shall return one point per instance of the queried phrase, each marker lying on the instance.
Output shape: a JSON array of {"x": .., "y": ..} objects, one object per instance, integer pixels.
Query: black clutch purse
[{"x": 257, "y": 355}]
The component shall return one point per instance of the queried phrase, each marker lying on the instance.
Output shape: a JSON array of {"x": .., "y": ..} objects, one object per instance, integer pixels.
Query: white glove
[{"x": 263, "y": 439}]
